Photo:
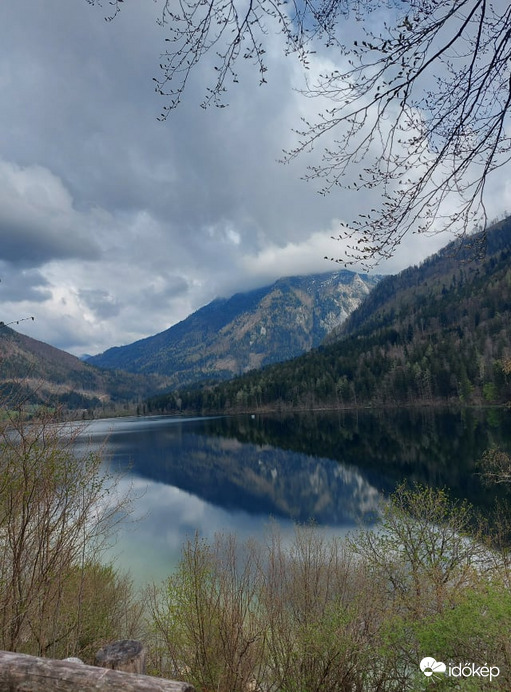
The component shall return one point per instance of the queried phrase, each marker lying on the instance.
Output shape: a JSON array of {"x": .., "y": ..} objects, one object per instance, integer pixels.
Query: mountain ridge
[{"x": 246, "y": 331}]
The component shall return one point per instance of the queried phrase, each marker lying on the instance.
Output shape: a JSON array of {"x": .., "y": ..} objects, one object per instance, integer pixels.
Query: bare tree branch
[{"x": 418, "y": 112}]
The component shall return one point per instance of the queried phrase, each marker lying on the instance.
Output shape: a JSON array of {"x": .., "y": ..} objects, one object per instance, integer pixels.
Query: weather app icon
[{"x": 430, "y": 667}]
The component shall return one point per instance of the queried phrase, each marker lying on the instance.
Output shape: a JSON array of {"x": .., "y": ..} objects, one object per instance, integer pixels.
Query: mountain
[
  {"x": 440, "y": 289},
  {"x": 435, "y": 333},
  {"x": 247, "y": 331},
  {"x": 38, "y": 373}
]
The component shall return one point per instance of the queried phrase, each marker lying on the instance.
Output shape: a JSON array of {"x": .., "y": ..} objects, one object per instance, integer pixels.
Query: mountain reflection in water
[
  {"x": 258, "y": 479},
  {"x": 234, "y": 473}
]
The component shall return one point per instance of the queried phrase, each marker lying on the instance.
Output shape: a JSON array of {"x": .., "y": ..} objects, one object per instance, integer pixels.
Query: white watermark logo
[{"x": 432, "y": 668}]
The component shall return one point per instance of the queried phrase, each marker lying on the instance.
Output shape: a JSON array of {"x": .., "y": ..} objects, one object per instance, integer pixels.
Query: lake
[{"x": 240, "y": 473}]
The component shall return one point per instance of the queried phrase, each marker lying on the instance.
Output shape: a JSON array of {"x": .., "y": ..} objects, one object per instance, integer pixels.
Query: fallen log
[{"x": 22, "y": 673}]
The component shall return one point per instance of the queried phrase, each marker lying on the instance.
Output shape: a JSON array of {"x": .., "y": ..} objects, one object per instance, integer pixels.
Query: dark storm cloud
[
  {"x": 32, "y": 245},
  {"x": 37, "y": 220}
]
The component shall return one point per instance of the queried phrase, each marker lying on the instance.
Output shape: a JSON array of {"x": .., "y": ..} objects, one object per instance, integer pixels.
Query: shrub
[
  {"x": 324, "y": 615},
  {"x": 57, "y": 508},
  {"x": 205, "y": 625}
]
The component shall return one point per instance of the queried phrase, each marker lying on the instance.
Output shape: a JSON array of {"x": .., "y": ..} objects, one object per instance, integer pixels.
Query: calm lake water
[{"x": 240, "y": 473}]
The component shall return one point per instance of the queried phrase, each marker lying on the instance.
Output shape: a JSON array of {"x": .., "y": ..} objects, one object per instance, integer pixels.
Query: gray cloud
[
  {"x": 21, "y": 285},
  {"x": 37, "y": 219},
  {"x": 101, "y": 303}
]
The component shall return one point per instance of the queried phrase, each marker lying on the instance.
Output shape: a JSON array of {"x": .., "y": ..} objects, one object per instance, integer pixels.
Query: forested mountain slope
[
  {"x": 38, "y": 373},
  {"x": 249, "y": 330},
  {"x": 441, "y": 281},
  {"x": 439, "y": 332}
]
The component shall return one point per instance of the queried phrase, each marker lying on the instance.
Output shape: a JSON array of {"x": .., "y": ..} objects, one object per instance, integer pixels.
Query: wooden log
[
  {"x": 127, "y": 655},
  {"x": 22, "y": 673}
]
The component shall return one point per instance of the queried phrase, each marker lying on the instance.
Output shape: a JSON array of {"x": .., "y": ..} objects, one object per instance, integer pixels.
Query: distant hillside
[
  {"x": 436, "y": 333},
  {"x": 250, "y": 330},
  {"x": 441, "y": 281},
  {"x": 40, "y": 373}
]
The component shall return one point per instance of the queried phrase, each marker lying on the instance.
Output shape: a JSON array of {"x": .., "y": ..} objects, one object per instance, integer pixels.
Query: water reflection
[
  {"x": 432, "y": 447},
  {"x": 234, "y": 473}
]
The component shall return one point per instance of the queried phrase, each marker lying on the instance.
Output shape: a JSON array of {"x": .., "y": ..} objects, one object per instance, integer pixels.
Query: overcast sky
[{"x": 113, "y": 225}]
